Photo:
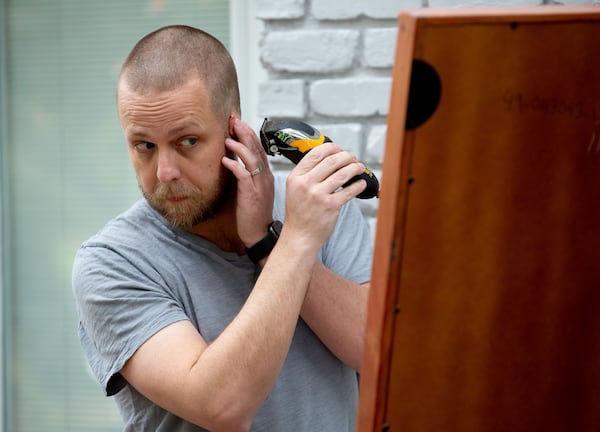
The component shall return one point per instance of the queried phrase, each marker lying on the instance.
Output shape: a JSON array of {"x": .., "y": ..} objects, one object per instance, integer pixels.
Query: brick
[
  {"x": 388, "y": 8},
  {"x": 472, "y": 3},
  {"x": 375, "y": 145},
  {"x": 335, "y": 9},
  {"x": 573, "y": 2},
  {"x": 316, "y": 51},
  {"x": 380, "y": 47},
  {"x": 347, "y": 135},
  {"x": 350, "y": 96},
  {"x": 279, "y": 9},
  {"x": 343, "y": 10},
  {"x": 282, "y": 98}
]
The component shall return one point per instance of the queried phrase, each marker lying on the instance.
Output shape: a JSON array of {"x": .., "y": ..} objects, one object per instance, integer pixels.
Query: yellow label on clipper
[{"x": 302, "y": 144}]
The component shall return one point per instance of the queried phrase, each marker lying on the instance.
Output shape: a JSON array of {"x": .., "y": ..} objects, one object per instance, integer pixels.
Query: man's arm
[
  {"x": 221, "y": 386},
  {"x": 336, "y": 309}
]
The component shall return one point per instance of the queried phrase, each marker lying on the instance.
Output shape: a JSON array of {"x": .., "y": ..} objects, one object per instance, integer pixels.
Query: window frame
[
  {"x": 3, "y": 214},
  {"x": 245, "y": 31}
]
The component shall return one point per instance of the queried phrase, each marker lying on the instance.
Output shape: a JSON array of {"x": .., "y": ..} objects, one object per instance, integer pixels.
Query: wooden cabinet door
[{"x": 484, "y": 312}]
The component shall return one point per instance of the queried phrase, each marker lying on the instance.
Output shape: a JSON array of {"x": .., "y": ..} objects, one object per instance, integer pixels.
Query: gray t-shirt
[{"x": 139, "y": 274}]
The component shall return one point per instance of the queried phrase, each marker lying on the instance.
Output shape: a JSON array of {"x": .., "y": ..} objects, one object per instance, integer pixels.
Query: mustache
[{"x": 165, "y": 191}]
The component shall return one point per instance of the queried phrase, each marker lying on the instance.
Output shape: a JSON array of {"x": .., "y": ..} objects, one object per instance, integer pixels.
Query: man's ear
[{"x": 231, "y": 128}]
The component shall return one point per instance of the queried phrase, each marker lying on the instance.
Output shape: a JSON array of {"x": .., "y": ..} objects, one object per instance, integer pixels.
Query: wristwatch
[{"x": 264, "y": 247}]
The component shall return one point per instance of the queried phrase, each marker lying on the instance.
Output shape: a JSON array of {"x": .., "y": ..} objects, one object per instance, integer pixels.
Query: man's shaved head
[{"x": 171, "y": 56}]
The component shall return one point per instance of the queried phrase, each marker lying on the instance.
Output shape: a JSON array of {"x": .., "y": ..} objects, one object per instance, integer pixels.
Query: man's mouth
[{"x": 177, "y": 199}]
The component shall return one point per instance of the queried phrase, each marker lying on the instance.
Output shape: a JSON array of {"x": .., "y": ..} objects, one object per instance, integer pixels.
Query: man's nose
[{"x": 168, "y": 168}]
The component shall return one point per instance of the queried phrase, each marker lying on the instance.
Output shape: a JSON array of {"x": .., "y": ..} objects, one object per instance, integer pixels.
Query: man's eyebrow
[
  {"x": 182, "y": 127},
  {"x": 134, "y": 132}
]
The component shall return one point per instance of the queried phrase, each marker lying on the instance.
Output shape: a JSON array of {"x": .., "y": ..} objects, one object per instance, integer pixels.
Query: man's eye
[
  {"x": 143, "y": 147},
  {"x": 189, "y": 142}
]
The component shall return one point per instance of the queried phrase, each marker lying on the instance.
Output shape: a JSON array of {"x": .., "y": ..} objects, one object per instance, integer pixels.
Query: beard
[{"x": 198, "y": 206}]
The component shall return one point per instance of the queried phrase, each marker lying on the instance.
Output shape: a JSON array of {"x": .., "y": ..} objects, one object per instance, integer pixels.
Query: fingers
[
  {"x": 246, "y": 145},
  {"x": 255, "y": 188},
  {"x": 314, "y": 193},
  {"x": 328, "y": 167}
]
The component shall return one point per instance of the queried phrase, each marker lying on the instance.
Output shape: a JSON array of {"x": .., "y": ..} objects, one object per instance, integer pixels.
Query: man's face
[{"x": 176, "y": 144}]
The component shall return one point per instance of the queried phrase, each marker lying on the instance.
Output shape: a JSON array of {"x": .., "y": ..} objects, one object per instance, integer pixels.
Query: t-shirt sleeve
[
  {"x": 349, "y": 250},
  {"x": 120, "y": 305}
]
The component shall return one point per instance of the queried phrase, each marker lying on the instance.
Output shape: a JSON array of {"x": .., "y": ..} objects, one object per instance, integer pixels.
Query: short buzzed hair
[{"x": 171, "y": 56}]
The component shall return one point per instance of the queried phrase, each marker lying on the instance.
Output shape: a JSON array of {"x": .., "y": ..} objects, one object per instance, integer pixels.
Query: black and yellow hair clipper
[{"x": 294, "y": 138}]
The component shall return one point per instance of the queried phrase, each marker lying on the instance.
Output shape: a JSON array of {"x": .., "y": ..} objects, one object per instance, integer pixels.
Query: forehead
[
  {"x": 191, "y": 92},
  {"x": 188, "y": 101}
]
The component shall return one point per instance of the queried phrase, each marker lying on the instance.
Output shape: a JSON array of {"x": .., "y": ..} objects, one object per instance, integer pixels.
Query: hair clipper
[{"x": 294, "y": 138}]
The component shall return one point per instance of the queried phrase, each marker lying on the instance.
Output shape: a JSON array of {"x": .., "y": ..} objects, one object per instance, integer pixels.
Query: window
[{"x": 65, "y": 172}]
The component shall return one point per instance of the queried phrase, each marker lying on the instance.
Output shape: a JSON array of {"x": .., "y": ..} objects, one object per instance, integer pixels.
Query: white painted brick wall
[
  {"x": 285, "y": 97},
  {"x": 329, "y": 62},
  {"x": 279, "y": 9},
  {"x": 318, "y": 51},
  {"x": 470, "y": 3},
  {"x": 350, "y": 97},
  {"x": 375, "y": 145},
  {"x": 338, "y": 10},
  {"x": 379, "y": 48},
  {"x": 348, "y": 133}
]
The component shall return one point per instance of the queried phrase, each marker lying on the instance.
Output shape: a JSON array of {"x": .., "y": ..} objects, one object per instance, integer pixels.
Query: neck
[{"x": 221, "y": 230}]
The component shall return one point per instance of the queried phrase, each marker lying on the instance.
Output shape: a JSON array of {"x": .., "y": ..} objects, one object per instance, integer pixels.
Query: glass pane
[{"x": 68, "y": 174}]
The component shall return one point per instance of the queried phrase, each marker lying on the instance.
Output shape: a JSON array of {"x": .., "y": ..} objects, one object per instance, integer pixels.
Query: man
[{"x": 197, "y": 311}]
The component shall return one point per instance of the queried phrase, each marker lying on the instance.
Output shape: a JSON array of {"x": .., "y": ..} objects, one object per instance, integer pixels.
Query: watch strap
[{"x": 263, "y": 247}]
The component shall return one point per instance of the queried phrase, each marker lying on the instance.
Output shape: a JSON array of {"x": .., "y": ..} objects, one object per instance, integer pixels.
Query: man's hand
[
  {"x": 315, "y": 195},
  {"x": 254, "y": 211}
]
